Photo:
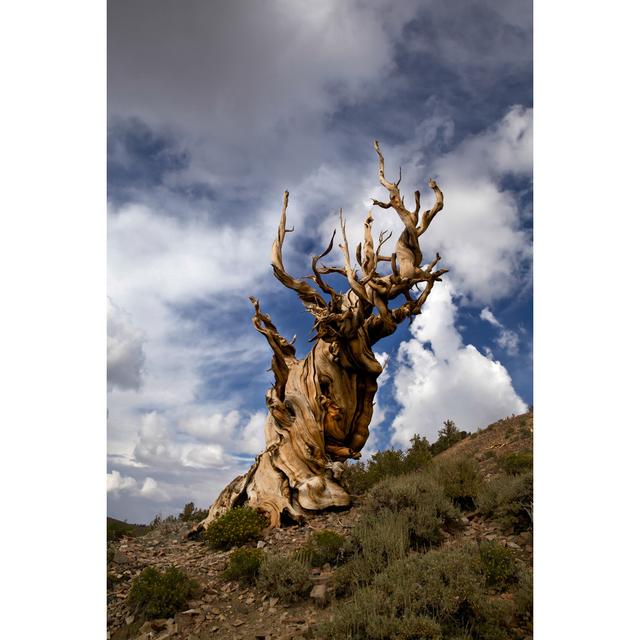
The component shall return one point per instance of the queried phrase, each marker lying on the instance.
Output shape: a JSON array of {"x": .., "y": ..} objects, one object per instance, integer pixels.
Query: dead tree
[{"x": 320, "y": 407}]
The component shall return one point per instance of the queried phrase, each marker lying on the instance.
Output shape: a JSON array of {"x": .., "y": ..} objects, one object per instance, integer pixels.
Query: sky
[{"x": 214, "y": 109}]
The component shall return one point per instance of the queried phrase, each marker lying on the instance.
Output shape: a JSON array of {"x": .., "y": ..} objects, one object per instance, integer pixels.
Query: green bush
[
  {"x": 358, "y": 478},
  {"x": 498, "y": 565},
  {"x": 516, "y": 463},
  {"x": 438, "y": 594},
  {"x": 284, "y": 577},
  {"x": 116, "y": 529},
  {"x": 369, "y": 616},
  {"x": 447, "y": 437},
  {"x": 460, "y": 479},
  {"x": 156, "y": 594},
  {"x": 244, "y": 565},
  {"x": 524, "y": 596},
  {"x": 324, "y": 546},
  {"x": 421, "y": 500},
  {"x": 509, "y": 500},
  {"x": 187, "y": 512},
  {"x": 418, "y": 455},
  {"x": 235, "y": 528}
]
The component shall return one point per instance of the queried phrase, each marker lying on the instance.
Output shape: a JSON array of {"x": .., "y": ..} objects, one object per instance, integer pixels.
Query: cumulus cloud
[
  {"x": 149, "y": 488},
  {"x": 480, "y": 233},
  {"x": 439, "y": 377},
  {"x": 125, "y": 352},
  {"x": 507, "y": 339},
  {"x": 117, "y": 482}
]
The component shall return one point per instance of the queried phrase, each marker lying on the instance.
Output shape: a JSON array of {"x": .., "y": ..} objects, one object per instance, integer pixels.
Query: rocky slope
[{"x": 229, "y": 610}]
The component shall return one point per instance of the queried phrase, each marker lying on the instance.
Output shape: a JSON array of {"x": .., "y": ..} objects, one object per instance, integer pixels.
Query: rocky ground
[
  {"x": 224, "y": 609},
  {"x": 228, "y": 610}
]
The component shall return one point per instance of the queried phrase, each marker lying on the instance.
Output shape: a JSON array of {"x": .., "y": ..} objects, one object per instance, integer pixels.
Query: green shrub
[
  {"x": 498, "y": 565},
  {"x": 187, "y": 512},
  {"x": 516, "y": 463},
  {"x": 460, "y": 479},
  {"x": 509, "y": 500},
  {"x": 117, "y": 529},
  {"x": 443, "y": 590},
  {"x": 370, "y": 616},
  {"x": 156, "y": 594},
  {"x": 524, "y": 596},
  {"x": 234, "y": 528},
  {"x": 244, "y": 565},
  {"x": 358, "y": 478},
  {"x": 422, "y": 501},
  {"x": 284, "y": 577},
  {"x": 324, "y": 546},
  {"x": 447, "y": 437},
  {"x": 418, "y": 455}
]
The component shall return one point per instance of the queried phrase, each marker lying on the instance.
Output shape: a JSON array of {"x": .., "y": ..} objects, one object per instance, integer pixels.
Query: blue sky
[{"x": 214, "y": 110}]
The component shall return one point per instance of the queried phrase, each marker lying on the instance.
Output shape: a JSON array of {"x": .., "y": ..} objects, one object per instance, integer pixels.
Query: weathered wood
[{"x": 320, "y": 407}]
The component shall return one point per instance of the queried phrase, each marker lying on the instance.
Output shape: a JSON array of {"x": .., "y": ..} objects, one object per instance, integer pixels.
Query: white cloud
[
  {"x": 507, "y": 339},
  {"x": 125, "y": 353},
  {"x": 117, "y": 482},
  {"x": 479, "y": 233},
  {"x": 446, "y": 379},
  {"x": 383, "y": 358},
  {"x": 151, "y": 490}
]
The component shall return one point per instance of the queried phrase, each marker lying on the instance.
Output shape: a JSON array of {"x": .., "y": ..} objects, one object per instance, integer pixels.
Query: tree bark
[{"x": 320, "y": 407}]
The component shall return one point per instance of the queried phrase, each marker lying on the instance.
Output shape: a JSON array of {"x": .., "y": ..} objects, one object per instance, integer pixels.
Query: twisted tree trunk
[{"x": 320, "y": 407}]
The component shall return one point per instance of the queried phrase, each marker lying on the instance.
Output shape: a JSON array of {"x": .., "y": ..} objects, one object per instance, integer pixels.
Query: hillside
[{"x": 465, "y": 523}]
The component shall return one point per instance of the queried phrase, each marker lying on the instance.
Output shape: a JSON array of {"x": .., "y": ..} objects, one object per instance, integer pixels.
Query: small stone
[
  {"x": 237, "y": 623},
  {"x": 120, "y": 558},
  {"x": 464, "y": 520},
  {"x": 273, "y": 602},
  {"x": 261, "y": 544},
  {"x": 129, "y": 619},
  {"x": 319, "y": 592},
  {"x": 513, "y": 545}
]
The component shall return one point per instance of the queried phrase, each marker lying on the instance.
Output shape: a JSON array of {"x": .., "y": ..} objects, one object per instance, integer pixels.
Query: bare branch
[
  {"x": 356, "y": 286},
  {"x": 317, "y": 273},
  {"x": 311, "y": 299},
  {"x": 428, "y": 216},
  {"x": 383, "y": 181},
  {"x": 283, "y": 351}
]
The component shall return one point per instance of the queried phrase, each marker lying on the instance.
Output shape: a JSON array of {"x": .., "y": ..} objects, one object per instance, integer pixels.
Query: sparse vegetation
[
  {"x": 117, "y": 529},
  {"x": 392, "y": 576},
  {"x": 284, "y": 577},
  {"x": 235, "y": 528},
  {"x": 161, "y": 594},
  {"x": 191, "y": 514},
  {"x": 244, "y": 565}
]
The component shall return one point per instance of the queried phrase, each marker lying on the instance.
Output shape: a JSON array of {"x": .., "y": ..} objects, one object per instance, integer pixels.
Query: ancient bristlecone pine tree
[{"x": 320, "y": 407}]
